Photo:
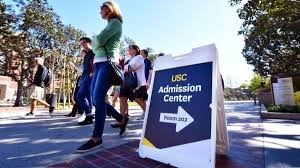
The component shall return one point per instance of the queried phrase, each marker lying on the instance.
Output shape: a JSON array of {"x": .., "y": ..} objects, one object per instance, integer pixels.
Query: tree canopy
[
  {"x": 34, "y": 31},
  {"x": 271, "y": 29},
  {"x": 255, "y": 83}
]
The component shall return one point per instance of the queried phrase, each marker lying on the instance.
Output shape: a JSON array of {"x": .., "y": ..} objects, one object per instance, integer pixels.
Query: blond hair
[{"x": 114, "y": 9}]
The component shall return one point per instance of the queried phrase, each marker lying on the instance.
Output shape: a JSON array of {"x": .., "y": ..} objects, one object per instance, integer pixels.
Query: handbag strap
[{"x": 129, "y": 69}]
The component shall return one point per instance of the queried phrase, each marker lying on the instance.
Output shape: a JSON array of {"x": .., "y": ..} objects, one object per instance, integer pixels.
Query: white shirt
[
  {"x": 137, "y": 65},
  {"x": 80, "y": 69}
]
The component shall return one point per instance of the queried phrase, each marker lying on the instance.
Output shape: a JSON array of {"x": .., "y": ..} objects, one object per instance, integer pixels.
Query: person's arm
[
  {"x": 92, "y": 66},
  {"x": 110, "y": 30},
  {"x": 134, "y": 63},
  {"x": 150, "y": 74},
  {"x": 149, "y": 77}
]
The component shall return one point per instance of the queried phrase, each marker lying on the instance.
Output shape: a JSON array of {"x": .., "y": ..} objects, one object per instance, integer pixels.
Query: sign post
[{"x": 180, "y": 125}]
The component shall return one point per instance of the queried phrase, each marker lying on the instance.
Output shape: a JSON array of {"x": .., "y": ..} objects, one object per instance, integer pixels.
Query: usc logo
[{"x": 179, "y": 77}]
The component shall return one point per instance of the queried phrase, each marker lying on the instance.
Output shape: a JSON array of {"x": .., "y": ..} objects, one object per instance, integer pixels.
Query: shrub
[{"x": 284, "y": 108}]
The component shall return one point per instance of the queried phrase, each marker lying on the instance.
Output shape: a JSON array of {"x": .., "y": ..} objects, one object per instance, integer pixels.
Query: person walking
[
  {"x": 76, "y": 107},
  {"x": 139, "y": 94},
  {"x": 84, "y": 93},
  {"x": 148, "y": 67},
  {"x": 37, "y": 87},
  {"x": 105, "y": 47}
]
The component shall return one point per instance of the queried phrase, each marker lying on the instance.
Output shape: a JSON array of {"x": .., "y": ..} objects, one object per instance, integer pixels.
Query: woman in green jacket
[{"x": 105, "y": 46}]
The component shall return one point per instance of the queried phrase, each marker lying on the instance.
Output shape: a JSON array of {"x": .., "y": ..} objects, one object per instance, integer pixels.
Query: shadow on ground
[{"x": 43, "y": 140}]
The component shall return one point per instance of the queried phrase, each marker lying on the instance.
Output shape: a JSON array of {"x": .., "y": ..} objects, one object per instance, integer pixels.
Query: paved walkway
[
  {"x": 51, "y": 142},
  {"x": 245, "y": 132},
  {"x": 43, "y": 141},
  {"x": 282, "y": 143}
]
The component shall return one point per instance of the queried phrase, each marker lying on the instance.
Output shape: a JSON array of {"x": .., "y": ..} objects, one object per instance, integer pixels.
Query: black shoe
[
  {"x": 123, "y": 126},
  {"x": 51, "y": 109},
  {"x": 116, "y": 125},
  {"x": 30, "y": 114},
  {"x": 87, "y": 121},
  {"x": 70, "y": 115},
  {"x": 89, "y": 145}
]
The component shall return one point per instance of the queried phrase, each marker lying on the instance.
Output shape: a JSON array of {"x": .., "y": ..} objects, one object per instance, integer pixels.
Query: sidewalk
[
  {"x": 282, "y": 143},
  {"x": 246, "y": 146},
  {"x": 42, "y": 141},
  {"x": 45, "y": 141},
  {"x": 8, "y": 112}
]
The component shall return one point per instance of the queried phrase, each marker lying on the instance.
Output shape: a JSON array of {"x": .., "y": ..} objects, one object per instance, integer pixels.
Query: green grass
[{"x": 132, "y": 103}]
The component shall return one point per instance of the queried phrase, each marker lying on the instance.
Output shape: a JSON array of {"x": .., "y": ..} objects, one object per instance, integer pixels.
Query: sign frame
[{"x": 199, "y": 55}]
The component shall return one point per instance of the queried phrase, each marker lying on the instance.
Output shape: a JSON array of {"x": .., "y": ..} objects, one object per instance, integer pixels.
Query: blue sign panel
[{"x": 179, "y": 111}]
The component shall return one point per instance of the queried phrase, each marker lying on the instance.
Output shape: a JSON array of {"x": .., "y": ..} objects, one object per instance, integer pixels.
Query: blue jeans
[
  {"x": 84, "y": 96},
  {"x": 100, "y": 86}
]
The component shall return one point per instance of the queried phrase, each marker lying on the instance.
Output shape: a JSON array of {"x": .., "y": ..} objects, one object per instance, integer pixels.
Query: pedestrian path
[
  {"x": 41, "y": 141},
  {"x": 245, "y": 136},
  {"x": 282, "y": 143}
]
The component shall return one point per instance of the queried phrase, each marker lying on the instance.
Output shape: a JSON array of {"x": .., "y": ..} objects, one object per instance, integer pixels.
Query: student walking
[
  {"x": 148, "y": 67},
  {"x": 139, "y": 94},
  {"x": 105, "y": 46},
  {"x": 37, "y": 86},
  {"x": 84, "y": 93},
  {"x": 76, "y": 107}
]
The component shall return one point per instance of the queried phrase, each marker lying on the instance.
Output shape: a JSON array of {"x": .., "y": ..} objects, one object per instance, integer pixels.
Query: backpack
[{"x": 48, "y": 77}]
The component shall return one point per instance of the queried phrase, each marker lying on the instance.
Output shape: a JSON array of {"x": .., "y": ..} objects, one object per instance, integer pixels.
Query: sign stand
[
  {"x": 222, "y": 135},
  {"x": 185, "y": 123}
]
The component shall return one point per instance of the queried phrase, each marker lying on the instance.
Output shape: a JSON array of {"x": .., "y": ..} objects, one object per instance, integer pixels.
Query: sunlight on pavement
[
  {"x": 35, "y": 155},
  {"x": 56, "y": 141},
  {"x": 13, "y": 140}
]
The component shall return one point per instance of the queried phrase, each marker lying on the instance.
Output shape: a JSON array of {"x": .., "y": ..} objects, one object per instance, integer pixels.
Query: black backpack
[{"x": 48, "y": 77}]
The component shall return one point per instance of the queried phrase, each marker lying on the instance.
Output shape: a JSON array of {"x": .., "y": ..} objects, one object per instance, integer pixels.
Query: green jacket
[{"x": 109, "y": 38}]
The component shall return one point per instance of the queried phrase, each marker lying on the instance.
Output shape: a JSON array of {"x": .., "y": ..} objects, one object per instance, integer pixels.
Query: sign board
[
  {"x": 286, "y": 90},
  {"x": 180, "y": 124}
]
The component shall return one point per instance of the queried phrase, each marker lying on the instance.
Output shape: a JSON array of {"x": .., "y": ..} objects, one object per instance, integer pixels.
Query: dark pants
[
  {"x": 77, "y": 109},
  {"x": 84, "y": 97},
  {"x": 100, "y": 86}
]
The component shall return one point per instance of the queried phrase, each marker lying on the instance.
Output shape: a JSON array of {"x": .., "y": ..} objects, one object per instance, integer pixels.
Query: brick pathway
[{"x": 246, "y": 146}]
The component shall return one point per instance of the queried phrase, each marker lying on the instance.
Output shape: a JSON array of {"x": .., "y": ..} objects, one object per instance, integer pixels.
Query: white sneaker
[{"x": 81, "y": 118}]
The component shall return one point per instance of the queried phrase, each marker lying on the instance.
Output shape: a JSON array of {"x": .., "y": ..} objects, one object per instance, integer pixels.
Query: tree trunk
[
  {"x": 6, "y": 65},
  {"x": 64, "y": 82},
  {"x": 69, "y": 88},
  {"x": 20, "y": 91}
]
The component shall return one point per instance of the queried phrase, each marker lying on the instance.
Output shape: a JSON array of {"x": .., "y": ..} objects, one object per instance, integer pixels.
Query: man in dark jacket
[
  {"x": 84, "y": 93},
  {"x": 37, "y": 87}
]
